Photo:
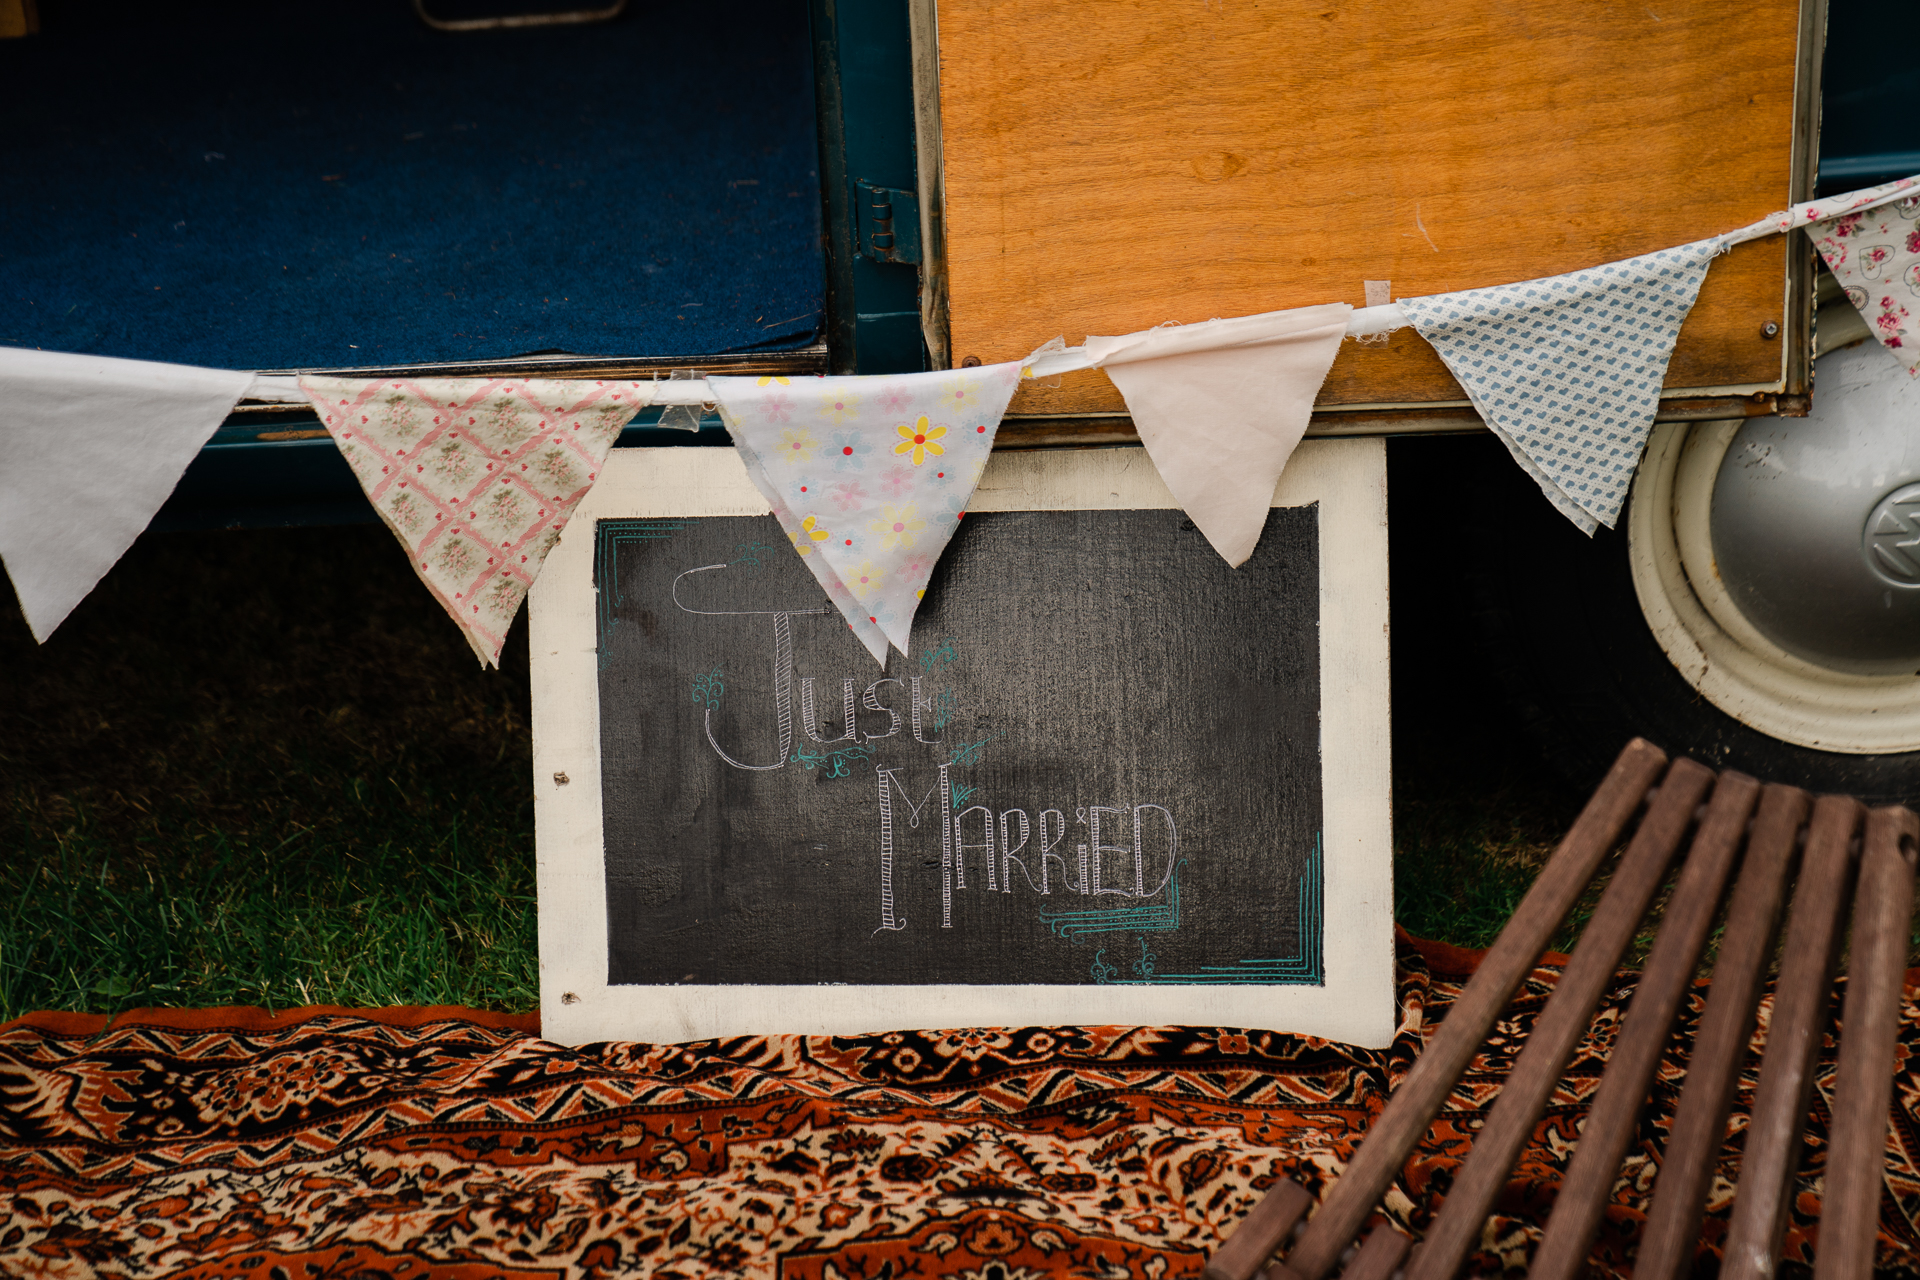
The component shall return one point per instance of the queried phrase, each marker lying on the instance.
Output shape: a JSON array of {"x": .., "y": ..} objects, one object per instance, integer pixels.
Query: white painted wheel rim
[{"x": 1710, "y": 642}]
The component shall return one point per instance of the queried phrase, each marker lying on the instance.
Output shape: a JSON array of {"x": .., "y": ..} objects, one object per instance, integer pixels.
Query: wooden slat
[
  {"x": 1379, "y": 1257},
  {"x": 1567, "y": 874},
  {"x": 1671, "y": 1238},
  {"x": 1110, "y": 165},
  {"x": 1613, "y": 1119},
  {"x": 1800, "y": 999},
  {"x": 1870, "y": 1026},
  {"x": 1260, "y": 1232},
  {"x": 1561, "y": 1025}
]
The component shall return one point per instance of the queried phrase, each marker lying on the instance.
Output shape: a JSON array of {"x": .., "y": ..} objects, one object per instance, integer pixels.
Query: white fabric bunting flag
[
  {"x": 869, "y": 476},
  {"x": 476, "y": 477},
  {"x": 1567, "y": 370},
  {"x": 90, "y": 447},
  {"x": 1221, "y": 406}
]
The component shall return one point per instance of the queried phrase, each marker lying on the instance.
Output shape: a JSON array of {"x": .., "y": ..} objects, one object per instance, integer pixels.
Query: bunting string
[{"x": 870, "y": 476}]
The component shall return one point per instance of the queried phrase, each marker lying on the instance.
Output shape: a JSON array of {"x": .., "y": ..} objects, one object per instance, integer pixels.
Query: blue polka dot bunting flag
[{"x": 1567, "y": 370}]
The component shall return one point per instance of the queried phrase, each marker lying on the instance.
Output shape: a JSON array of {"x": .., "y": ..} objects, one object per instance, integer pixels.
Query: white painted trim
[{"x": 1346, "y": 477}]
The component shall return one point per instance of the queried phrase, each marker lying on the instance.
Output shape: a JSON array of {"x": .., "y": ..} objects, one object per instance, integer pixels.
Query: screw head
[{"x": 1769, "y": 331}]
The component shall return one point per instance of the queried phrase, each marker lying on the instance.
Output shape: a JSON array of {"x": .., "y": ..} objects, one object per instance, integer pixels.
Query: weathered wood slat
[
  {"x": 1260, "y": 1232},
  {"x": 1800, "y": 1000},
  {"x": 1379, "y": 1256},
  {"x": 1672, "y": 1234},
  {"x": 1566, "y": 1018},
  {"x": 1613, "y": 1118},
  {"x": 1854, "y": 1179},
  {"x": 1380, "y": 1157},
  {"x": 1870, "y": 1026}
]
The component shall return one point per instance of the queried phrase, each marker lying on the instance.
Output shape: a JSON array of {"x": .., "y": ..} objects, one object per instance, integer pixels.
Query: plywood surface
[{"x": 1113, "y": 166}]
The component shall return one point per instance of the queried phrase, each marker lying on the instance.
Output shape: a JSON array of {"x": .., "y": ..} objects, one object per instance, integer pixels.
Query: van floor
[{"x": 331, "y": 183}]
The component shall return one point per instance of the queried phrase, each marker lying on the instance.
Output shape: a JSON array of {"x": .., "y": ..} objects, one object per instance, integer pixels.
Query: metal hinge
[{"x": 887, "y": 223}]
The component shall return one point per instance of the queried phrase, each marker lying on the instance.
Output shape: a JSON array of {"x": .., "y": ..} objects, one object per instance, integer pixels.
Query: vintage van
[{"x": 489, "y": 186}]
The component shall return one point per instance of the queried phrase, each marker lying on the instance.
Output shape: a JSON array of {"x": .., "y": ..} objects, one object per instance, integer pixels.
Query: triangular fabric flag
[
  {"x": 90, "y": 447},
  {"x": 1870, "y": 240},
  {"x": 1567, "y": 370},
  {"x": 1875, "y": 255},
  {"x": 476, "y": 476},
  {"x": 869, "y": 476},
  {"x": 1221, "y": 406}
]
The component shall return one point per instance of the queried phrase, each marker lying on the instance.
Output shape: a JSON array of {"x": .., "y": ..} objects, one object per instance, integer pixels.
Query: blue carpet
[{"x": 307, "y": 184}]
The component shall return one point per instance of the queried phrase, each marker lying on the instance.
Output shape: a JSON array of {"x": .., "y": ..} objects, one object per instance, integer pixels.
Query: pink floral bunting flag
[
  {"x": 869, "y": 476},
  {"x": 476, "y": 477},
  {"x": 1875, "y": 255}
]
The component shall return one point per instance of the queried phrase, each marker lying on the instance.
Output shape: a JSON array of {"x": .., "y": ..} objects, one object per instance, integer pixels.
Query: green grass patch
[
  {"x": 390, "y": 924},
  {"x": 1462, "y": 865},
  {"x": 263, "y": 768}
]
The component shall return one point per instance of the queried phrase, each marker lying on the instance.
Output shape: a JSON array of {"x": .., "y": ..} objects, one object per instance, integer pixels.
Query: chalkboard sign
[{"x": 1101, "y": 786}]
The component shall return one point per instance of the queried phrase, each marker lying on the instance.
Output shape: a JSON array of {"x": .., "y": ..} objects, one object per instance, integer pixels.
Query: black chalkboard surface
[{"x": 1101, "y": 763}]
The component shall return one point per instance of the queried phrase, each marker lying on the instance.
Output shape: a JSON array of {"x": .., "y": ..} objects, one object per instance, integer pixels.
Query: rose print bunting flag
[
  {"x": 1567, "y": 370},
  {"x": 476, "y": 477},
  {"x": 1875, "y": 255},
  {"x": 869, "y": 476}
]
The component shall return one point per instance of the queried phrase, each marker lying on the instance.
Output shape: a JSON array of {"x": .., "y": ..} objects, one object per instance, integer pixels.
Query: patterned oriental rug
[{"x": 441, "y": 1142}]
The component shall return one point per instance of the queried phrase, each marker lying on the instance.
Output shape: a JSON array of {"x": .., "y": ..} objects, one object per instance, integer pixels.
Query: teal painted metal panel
[{"x": 863, "y": 59}]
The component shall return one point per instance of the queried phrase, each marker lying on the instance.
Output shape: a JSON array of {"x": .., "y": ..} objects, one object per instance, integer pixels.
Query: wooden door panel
[{"x": 1115, "y": 165}]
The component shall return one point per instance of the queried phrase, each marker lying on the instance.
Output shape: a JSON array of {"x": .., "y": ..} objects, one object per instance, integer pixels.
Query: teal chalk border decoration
[
  {"x": 1160, "y": 919},
  {"x": 609, "y": 535},
  {"x": 1305, "y": 968},
  {"x": 835, "y": 764}
]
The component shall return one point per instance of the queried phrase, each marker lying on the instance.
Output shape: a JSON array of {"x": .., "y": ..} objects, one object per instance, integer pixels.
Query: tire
[{"x": 1578, "y": 661}]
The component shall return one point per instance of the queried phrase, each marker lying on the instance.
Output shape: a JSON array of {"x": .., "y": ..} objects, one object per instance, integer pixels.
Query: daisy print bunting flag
[
  {"x": 869, "y": 476},
  {"x": 476, "y": 477}
]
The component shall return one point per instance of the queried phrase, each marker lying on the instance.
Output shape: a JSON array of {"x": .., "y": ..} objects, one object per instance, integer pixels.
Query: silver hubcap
[
  {"x": 1816, "y": 521},
  {"x": 1773, "y": 607}
]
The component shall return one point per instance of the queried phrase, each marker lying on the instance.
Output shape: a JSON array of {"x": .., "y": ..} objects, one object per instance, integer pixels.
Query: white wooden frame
[{"x": 1355, "y": 1004}]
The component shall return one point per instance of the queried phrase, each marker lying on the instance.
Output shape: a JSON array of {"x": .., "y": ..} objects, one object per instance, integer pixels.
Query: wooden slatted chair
[{"x": 1767, "y": 832}]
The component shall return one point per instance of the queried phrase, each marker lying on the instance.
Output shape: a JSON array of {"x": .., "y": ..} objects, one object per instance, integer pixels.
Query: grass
[
  {"x": 1476, "y": 809},
  {"x": 393, "y": 924},
  {"x": 1473, "y": 823},
  {"x": 405, "y": 925},
  {"x": 263, "y": 768}
]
